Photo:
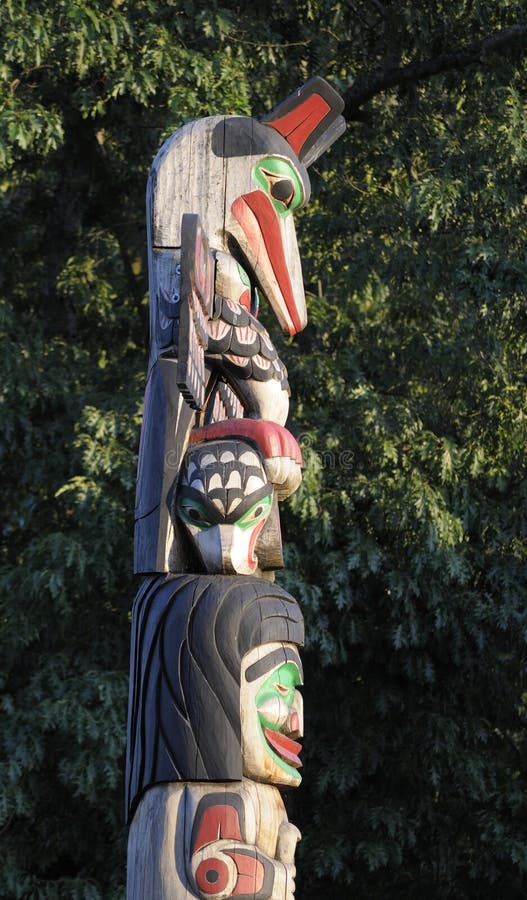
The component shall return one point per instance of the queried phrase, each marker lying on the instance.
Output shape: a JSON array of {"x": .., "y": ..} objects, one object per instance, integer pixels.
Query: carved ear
[{"x": 309, "y": 119}]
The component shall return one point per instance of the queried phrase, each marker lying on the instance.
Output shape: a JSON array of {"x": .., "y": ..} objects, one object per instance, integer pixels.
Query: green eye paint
[
  {"x": 253, "y": 515},
  {"x": 193, "y": 513},
  {"x": 281, "y": 182}
]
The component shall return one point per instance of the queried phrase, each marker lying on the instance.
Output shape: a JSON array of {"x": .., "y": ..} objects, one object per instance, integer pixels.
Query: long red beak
[{"x": 260, "y": 224}]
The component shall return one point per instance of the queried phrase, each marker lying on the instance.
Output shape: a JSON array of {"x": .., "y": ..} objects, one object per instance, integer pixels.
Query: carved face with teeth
[
  {"x": 272, "y": 714},
  {"x": 224, "y": 499}
]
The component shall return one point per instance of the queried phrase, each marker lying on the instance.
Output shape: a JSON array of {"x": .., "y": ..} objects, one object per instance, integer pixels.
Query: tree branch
[{"x": 390, "y": 76}]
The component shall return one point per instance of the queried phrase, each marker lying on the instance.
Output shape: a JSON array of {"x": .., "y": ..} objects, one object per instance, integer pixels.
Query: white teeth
[
  {"x": 253, "y": 483},
  {"x": 284, "y": 473},
  {"x": 206, "y": 460},
  {"x": 215, "y": 481},
  {"x": 273, "y": 469},
  {"x": 227, "y": 456},
  {"x": 233, "y": 504},
  {"x": 218, "y": 504},
  {"x": 192, "y": 467},
  {"x": 249, "y": 458},
  {"x": 234, "y": 481}
]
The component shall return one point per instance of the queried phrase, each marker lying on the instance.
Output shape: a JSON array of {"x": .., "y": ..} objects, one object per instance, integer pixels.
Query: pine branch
[{"x": 390, "y": 76}]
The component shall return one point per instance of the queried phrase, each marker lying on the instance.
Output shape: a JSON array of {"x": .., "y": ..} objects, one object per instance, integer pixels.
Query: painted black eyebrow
[{"x": 276, "y": 657}]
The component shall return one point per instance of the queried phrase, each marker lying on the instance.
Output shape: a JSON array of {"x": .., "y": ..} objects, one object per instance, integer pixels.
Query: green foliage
[{"x": 406, "y": 543}]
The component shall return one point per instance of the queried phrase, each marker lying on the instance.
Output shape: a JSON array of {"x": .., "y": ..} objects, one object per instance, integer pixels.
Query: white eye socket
[{"x": 275, "y": 711}]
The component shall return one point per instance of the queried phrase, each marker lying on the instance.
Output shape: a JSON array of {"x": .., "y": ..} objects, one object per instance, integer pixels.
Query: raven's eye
[
  {"x": 282, "y": 183},
  {"x": 283, "y": 190}
]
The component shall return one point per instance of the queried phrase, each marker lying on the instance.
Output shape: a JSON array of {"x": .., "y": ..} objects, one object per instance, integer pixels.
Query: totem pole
[{"x": 215, "y": 714}]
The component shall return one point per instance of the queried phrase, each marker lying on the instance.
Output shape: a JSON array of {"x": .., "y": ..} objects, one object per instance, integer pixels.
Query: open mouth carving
[{"x": 286, "y": 748}]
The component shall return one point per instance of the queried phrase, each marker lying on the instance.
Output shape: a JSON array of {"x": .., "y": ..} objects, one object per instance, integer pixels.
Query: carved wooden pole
[{"x": 215, "y": 713}]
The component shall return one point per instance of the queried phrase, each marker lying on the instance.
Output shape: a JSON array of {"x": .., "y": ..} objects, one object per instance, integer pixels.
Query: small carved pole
[{"x": 215, "y": 714}]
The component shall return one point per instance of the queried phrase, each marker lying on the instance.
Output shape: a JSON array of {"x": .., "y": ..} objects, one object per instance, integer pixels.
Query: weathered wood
[
  {"x": 215, "y": 713},
  {"x": 182, "y": 833},
  {"x": 189, "y": 636},
  {"x": 197, "y": 285},
  {"x": 167, "y": 420}
]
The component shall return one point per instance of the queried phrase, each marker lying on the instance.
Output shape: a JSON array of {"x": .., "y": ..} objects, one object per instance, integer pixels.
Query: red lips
[{"x": 286, "y": 747}]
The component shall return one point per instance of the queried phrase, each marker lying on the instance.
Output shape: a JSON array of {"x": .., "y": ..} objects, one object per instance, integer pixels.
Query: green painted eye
[
  {"x": 257, "y": 512},
  {"x": 281, "y": 182},
  {"x": 193, "y": 513},
  {"x": 281, "y": 683}
]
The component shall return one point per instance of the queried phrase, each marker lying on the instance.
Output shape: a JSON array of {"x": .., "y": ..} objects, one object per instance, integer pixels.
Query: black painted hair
[{"x": 189, "y": 635}]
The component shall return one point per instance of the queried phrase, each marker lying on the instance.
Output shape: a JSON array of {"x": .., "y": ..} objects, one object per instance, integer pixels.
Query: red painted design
[
  {"x": 212, "y": 876},
  {"x": 218, "y": 328},
  {"x": 272, "y": 439},
  {"x": 251, "y": 874},
  {"x": 245, "y": 335},
  {"x": 220, "y": 821},
  {"x": 297, "y": 125},
  {"x": 245, "y": 300},
  {"x": 262, "y": 362},
  {"x": 241, "y": 361},
  {"x": 256, "y": 215},
  {"x": 251, "y": 558},
  {"x": 286, "y": 747}
]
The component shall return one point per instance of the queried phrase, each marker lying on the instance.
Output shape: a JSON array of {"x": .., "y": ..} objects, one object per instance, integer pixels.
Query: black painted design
[
  {"x": 266, "y": 890},
  {"x": 273, "y": 659},
  {"x": 234, "y": 332},
  {"x": 189, "y": 635},
  {"x": 229, "y": 798}
]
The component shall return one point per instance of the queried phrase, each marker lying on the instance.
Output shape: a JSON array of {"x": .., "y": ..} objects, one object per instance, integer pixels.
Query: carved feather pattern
[{"x": 240, "y": 343}]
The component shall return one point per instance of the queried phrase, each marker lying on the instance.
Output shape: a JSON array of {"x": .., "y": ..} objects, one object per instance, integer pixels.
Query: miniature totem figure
[
  {"x": 220, "y": 201},
  {"x": 215, "y": 714}
]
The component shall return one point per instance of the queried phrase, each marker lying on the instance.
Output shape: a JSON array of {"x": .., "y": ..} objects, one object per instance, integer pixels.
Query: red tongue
[{"x": 284, "y": 746}]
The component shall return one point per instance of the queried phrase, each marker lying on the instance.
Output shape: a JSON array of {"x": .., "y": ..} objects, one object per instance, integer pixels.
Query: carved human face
[
  {"x": 224, "y": 499},
  {"x": 272, "y": 714}
]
